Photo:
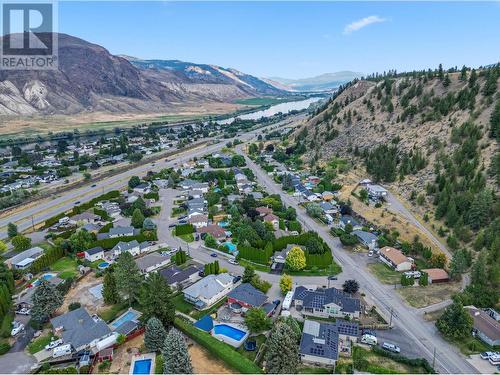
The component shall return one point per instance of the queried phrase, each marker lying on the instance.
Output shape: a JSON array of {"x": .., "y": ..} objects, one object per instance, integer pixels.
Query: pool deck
[
  {"x": 139, "y": 357},
  {"x": 227, "y": 339}
]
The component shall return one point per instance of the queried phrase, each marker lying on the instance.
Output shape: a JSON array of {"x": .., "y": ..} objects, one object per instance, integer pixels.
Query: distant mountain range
[
  {"x": 323, "y": 82},
  {"x": 91, "y": 79}
]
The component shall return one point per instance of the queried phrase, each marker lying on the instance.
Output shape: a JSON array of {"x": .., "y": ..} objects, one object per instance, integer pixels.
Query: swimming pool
[
  {"x": 103, "y": 265},
  {"x": 230, "y": 246},
  {"x": 46, "y": 276},
  {"x": 229, "y": 334},
  {"x": 223, "y": 224},
  {"x": 142, "y": 366},
  {"x": 125, "y": 317}
]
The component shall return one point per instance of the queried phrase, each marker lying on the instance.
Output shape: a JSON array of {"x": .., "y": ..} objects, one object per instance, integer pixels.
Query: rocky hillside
[
  {"x": 413, "y": 114},
  {"x": 91, "y": 79}
]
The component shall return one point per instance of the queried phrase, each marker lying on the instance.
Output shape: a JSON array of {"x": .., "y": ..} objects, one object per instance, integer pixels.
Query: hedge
[
  {"x": 253, "y": 254},
  {"x": 415, "y": 362},
  {"x": 4, "y": 347},
  {"x": 152, "y": 195},
  {"x": 318, "y": 260},
  {"x": 221, "y": 350},
  {"x": 50, "y": 256},
  {"x": 184, "y": 229}
]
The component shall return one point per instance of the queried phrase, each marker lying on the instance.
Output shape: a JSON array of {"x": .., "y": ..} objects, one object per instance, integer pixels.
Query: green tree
[
  {"x": 154, "y": 335},
  {"x": 424, "y": 279},
  {"x": 21, "y": 242},
  {"x": 210, "y": 241},
  {"x": 12, "y": 230},
  {"x": 134, "y": 181},
  {"x": 282, "y": 355},
  {"x": 438, "y": 260},
  {"x": 81, "y": 240},
  {"x": 293, "y": 324},
  {"x": 458, "y": 264},
  {"x": 248, "y": 274},
  {"x": 256, "y": 320},
  {"x": 407, "y": 281},
  {"x": 455, "y": 323},
  {"x": 350, "y": 286},
  {"x": 46, "y": 300},
  {"x": 109, "y": 291},
  {"x": 314, "y": 210},
  {"x": 156, "y": 300},
  {"x": 3, "y": 247},
  {"x": 286, "y": 283},
  {"x": 176, "y": 355},
  {"x": 137, "y": 218},
  {"x": 296, "y": 259},
  {"x": 127, "y": 277},
  {"x": 480, "y": 211}
]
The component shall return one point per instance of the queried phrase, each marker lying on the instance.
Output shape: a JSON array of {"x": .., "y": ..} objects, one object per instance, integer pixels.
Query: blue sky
[{"x": 293, "y": 39}]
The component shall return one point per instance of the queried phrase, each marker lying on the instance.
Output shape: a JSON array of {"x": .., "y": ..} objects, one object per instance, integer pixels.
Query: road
[{"x": 407, "y": 319}]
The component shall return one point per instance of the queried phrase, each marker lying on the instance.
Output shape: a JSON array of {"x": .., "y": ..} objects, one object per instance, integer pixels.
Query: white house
[
  {"x": 132, "y": 247},
  {"x": 395, "y": 259},
  {"x": 273, "y": 220},
  {"x": 209, "y": 290},
  {"x": 94, "y": 254},
  {"x": 24, "y": 260},
  {"x": 116, "y": 232}
]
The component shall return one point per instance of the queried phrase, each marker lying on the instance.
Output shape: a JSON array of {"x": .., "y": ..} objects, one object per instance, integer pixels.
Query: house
[
  {"x": 94, "y": 254},
  {"x": 187, "y": 184},
  {"x": 84, "y": 218},
  {"x": 81, "y": 330},
  {"x": 195, "y": 211},
  {"x": 273, "y": 220},
  {"x": 366, "y": 238},
  {"x": 263, "y": 211},
  {"x": 246, "y": 296},
  {"x": 145, "y": 246},
  {"x": 246, "y": 189},
  {"x": 111, "y": 208},
  {"x": 195, "y": 194},
  {"x": 436, "y": 275},
  {"x": 326, "y": 303},
  {"x": 395, "y": 259},
  {"x": 209, "y": 290},
  {"x": 484, "y": 326},
  {"x": 151, "y": 262},
  {"x": 376, "y": 191},
  {"x": 328, "y": 208},
  {"x": 322, "y": 342},
  {"x": 327, "y": 196},
  {"x": 24, "y": 260},
  {"x": 256, "y": 195},
  {"x": 198, "y": 221},
  {"x": 347, "y": 219},
  {"x": 178, "y": 278},
  {"x": 214, "y": 230},
  {"x": 279, "y": 257},
  {"x": 233, "y": 197},
  {"x": 132, "y": 247},
  {"x": 493, "y": 313},
  {"x": 116, "y": 232}
]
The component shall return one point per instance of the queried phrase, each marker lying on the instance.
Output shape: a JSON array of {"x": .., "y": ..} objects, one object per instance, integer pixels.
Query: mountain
[
  {"x": 90, "y": 79},
  {"x": 323, "y": 82}
]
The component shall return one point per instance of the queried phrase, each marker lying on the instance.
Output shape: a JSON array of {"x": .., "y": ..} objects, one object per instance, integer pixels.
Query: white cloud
[{"x": 363, "y": 22}]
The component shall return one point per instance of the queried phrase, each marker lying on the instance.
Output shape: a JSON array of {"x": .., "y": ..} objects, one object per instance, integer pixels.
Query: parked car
[
  {"x": 391, "y": 347},
  {"x": 236, "y": 279},
  {"x": 77, "y": 203},
  {"x": 233, "y": 261},
  {"x": 172, "y": 225},
  {"x": 183, "y": 217},
  {"x": 182, "y": 221},
  {"x": 23, "y": 311},
  {"x": 18, "y": 327},
  {"x": 213, "y": 255},
  {"x": 369, "y": 339},
  {"x": 370, "y": 253},
  {"x": 53, "y": 344},
  {"x": 93, "y": 185},
  {"x": 369, "y": 332},
  {"x": 486, "y": 355},
  {"x": 61, "y": 351},
  {"x": 332, "y": 277}
]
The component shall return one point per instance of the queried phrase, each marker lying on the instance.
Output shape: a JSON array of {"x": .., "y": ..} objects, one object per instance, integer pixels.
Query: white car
[
  {"x": 53, "y": 344},
  {"x": 233, "y": 261},
  {"x": 23, "y": 311},
  {"x": 17, "y": 328},
  {"x": 370, "y": 253},
  {"x": 391, "y": 347},
  {"x": 487, "y": 355}
]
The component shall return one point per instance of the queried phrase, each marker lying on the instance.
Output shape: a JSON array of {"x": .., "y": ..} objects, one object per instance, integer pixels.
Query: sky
[{"x": 293, "y": 39}]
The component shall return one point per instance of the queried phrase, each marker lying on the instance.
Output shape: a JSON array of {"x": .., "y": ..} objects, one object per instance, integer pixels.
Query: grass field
[
  {"x": 384, "y": 273},
  {"x": 181, "y": 305},
  {"x": 424, "y": 296},
  {"x": 66, "y": 267},
  {"x": 379, "y": 364},
  {"x": 260, "y": 339},
  {"x": 187, "y": 237},
  {"x": 39, "y": 343}
]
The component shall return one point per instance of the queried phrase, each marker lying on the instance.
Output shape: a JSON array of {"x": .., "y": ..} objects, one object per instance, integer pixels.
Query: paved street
[{"x": 407, "y": 319}]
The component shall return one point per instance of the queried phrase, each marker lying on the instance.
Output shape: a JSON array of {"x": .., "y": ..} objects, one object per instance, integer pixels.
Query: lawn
[
  {"x": 159, "y": 364},
  {"x": 472, "y": 345},
  {"x": 181, "y": 305},
  {"x": 187, "y": 237},
  {"x": 113, "y": 312},
  {"x": 66, "y": 267},
  {"x": 384, "y": 273},
  {"x": 333, "y": 269},
  {"x": 256, "y": 266},
  {"x": 260, "y": 339},
  {"x": 39, "y": 343},
  {"x": 418, "y": 296}
]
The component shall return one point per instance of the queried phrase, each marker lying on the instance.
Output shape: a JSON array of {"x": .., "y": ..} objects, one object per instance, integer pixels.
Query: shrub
[
  {"x": 184, "y": 229},
  {"x": 74, "y": 305},
  {"x": 4, "y": 347}
]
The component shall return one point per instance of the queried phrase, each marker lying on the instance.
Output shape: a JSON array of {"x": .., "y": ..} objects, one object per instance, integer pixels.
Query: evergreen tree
[
  {"x": 458, "y": 264},
  {"x": 109, "y": 291},
  {"x": 480, "y": 211},
  {"x": 154, "y": 335},
  {"x": 446, "y": 81},
  {"x": 156, "y": 300},
  {"x": 248, "y": 274},
  {"x": 495, "y": 122},
  {"x": 137, "y": 218},
  {"x": 472, "y": 78},
  {"x": 455, "y": 323},
  {"x": 127, "y": 277},
  {"x": 12, "y": 230},
  {"x": 490, "y": 86},
  {"x": 463, "y": 73},
  {"x": 440, "y": 72},
  {"x": 176, "y": 355},
  {"x": 46, "y": 300},
  {"x": 21, "y": 242},
  {"x": 282, "y": 356}
]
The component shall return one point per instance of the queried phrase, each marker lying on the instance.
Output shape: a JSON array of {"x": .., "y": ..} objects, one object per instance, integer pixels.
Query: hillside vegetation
[{"x": 432, "y": 137}]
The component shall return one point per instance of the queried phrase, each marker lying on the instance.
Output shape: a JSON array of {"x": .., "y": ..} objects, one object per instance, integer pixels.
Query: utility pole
[
  {"x": 33, "y": 223},
  {"x": 390, "y": 321},
  {"x": 434, "y": 358}
]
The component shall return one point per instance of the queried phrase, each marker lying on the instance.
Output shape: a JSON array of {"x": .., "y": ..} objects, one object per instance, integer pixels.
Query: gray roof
[
  {"x": 79, "y": 328},
  {"x": 175, "y": 275},
  {"x": 324, "y": 296},
  {"x": 150, "y": 260},
  {"x": 248, "y": 294},
  {"x": 321, "y": 339},
  {"x": 121, "y": 230},
  {"x": 127, "y": 327},
  {"x": 94, "y": 250},
  {"x": 33, "y": 253},
  {"x": 326, "y": 206},
  {"x": 209, "y": 286},
  {"x": 347, "y": 219},
  {"x": 364, "y": 237},
  {"x": 125, "y": 246}
]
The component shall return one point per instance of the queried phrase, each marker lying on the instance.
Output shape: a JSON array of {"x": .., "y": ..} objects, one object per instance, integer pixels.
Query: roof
[
  {"x": 376, "y": 188},
  {"x": 365, "y": 237},
  {"x": 206, "y": 323},
  {"x": 150, "y": 260},
  {"x": 248, "y": 294},
  {"x": 125, "y": 246},
  {"x": 213, "y": 230},
  {"x": 437, "y": 273},
  {"x": 264, "y": 210},
  {"x": 121, "y": 230},
  {"x": 32, "y": 253},
  {"x": 85, "y": 216},
  {"x": 270, "y": 217},
  {"x": 394, "y": 255},
  {"x": 79, "y": 328},
  {"x": 175, "y": 275},
  {"x": 94, "y": 250},
  {"x": 347, "y": 219},
  {"x": 324, "y": 296},
  {"x": 127, "y": 327},
  {"x": 198, "y": 219},
  {"x": 484, "y": 323},
  {"x": 209, "y": 286},
  {"x": 326, "y": 206}
]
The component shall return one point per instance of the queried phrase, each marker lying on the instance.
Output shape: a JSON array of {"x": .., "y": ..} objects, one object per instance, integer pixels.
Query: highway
[{"x": 407, "y": 319}]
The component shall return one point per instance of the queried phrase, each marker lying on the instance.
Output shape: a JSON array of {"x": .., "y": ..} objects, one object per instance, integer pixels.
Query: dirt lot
[
  {"x": 123, "y": 355},
  {"x": 80, "y": 293},
  {"x": 204, "y": 363},
  {"x": 424, "y": 296}
]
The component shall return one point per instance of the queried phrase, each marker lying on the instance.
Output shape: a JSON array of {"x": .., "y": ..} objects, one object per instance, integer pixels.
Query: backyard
[
  {"x": 384, "y": 273},
  {"x": 66, "y": 268}
]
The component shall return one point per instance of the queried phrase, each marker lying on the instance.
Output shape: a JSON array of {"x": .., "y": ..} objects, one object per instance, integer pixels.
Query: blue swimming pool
[
  {"x": 229, "y": 331},
  {"x": 142, "y": 366},
  {"x": 129, "y": 315},
  {"x": 223, "y": 224},
  {"x": 230, "y": 246},
  {"x": 46, "y": 276},
  {"x": 103, "y": 265}
]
